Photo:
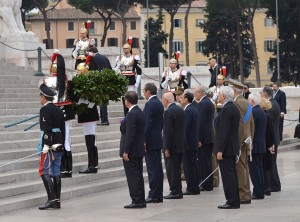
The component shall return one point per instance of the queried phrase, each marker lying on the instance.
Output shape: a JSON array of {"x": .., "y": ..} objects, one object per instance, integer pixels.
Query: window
[
  {"x": 133, "y": 25},
  {"x": 178, "y": 46},
  {"x": 112, "y": 42},
  {"x": 112, "y": 26},
  {"x": 70, "y": 26},
  {"x": 135, "y": 43},
  {"x": 200, "y": 22},
  {"x": 49, "y": 27},
  {"x": 92, "y": 28},
  {"x": 269, "y": 70},
  {"x": 268, "y": 22},
  {"x": 69, "y": 43},
  {"x": 177, "y": 23},
  {"x": 199, "y": 46},
  {"x": 47, "y": 45},
  {"x": 269, "y": 45}
]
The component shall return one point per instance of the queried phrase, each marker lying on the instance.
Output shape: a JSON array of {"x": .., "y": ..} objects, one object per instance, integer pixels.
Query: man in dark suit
[
  {"x": 102, "y": 62},
  {"x": 134, "y": 150},
  {"x": 192, "y": 137},
  {"x": 206, "y": 113},
  {"x": 154, "y": 114},
  {"x": 227, "y": 146},
  {"x": 174, "y": 143},
  {"x": 214, "y": 71},
  {"x": 280, "y": 97},
  {"x": 274, "y": 113},
  {"x": 258, "y": 147}
]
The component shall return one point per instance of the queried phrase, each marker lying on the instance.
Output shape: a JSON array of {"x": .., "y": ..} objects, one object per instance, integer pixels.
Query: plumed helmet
[{"x": 53, "y": 65}]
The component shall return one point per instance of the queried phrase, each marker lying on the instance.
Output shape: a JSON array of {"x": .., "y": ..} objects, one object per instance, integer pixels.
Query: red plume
[
  {"x": 130, "y": 40},
  {"x": 177, "y": 54},
  {"x": 88, "y": 24},
  {"x": 54, "y": 55},
  {"x": 88, "y": 59},
  {"x": 224, "y": 71}
]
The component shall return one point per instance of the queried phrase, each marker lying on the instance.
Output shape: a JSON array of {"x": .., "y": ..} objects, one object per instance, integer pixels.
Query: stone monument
[{"x": 13, "y": 34}]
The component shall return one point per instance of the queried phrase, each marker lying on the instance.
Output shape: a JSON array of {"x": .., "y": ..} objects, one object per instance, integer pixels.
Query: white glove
[
  {"x": 74, "y": 53},
  {"x": 55, "y": 146},
  {"x": 215, "y": 97},
  {"x": 45, "y": 149},
  {"x": 137, "y": 81},
  {"x": 164, "y": 84},
  {"x": 167, "y": 78}
]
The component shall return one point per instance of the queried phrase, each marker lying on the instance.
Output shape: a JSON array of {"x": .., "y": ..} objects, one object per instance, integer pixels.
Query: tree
[
  {"x": 103, "y": 7},
  {"x": 27, "y": 6},
  {"x": 171, "y": 7},
  {"x": 42, "y": 5},
  {"x": 186, "y": 32},
  {"x": 289, "y": 39},
  {"x": 157, "y": 37},
  {"x": 228, "y": 37}
]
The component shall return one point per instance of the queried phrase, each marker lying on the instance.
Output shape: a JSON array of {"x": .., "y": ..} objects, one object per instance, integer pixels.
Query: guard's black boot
[
  {"x": 70, "y": 164},
  {"x": 50, "y": 192},
  {"x": 90, "y": 154},
  {"x": 63, "y": 165},
  {"x": 57, "y": 190},
  {"x": 94, "y": 167}
]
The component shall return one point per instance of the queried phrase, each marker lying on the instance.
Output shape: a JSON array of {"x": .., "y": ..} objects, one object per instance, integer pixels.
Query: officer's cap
[
  {"x": 46, "y": 91},
  {"x": 235, "y": 84}
]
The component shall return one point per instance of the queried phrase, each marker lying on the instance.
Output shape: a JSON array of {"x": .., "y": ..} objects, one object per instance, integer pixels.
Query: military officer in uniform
[
  {"x": 52, "y": 126},
  {"x": 82, "y": 45},
  {"x": 61, "y": 83},
  {"x": 216, "y": 90},
  {"x": 129, "y": 66}
]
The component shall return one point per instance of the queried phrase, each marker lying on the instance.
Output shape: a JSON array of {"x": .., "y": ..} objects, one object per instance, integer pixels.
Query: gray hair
[
  {"x": 268, "y": 91},
  {"x": 255, "y": 97},
  {"x": 189, "y": 91},
  {"x": 202, "y": 89},
  {"x": 228, "y": 92}
]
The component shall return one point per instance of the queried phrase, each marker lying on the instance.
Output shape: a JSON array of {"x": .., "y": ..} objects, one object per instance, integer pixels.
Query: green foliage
[
  {"x": 157, "y": 37},
  {"x": 100, "y": 86}
]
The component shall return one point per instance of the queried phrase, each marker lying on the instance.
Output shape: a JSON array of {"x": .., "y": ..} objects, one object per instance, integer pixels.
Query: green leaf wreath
[{"x": 99, "y": 87}]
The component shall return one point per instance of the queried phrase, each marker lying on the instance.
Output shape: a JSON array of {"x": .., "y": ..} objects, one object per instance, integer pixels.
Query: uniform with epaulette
[{"x": 51, "y": 146}]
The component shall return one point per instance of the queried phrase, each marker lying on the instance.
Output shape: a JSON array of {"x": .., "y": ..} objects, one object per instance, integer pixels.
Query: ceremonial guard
[
  {"x": 173, "y": 76},
  {"x": 52, "y": 138},
  {"x": 89, "y": 120},
  {"x": 216, "y": 90},
  {"x": 62, "y": 86},
  {"x": 129, "y": 66},
  {"x": 82, "y": 45}
]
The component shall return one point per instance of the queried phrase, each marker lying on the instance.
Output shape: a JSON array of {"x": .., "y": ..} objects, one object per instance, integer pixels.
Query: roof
[{"x": 73, "y": 13}]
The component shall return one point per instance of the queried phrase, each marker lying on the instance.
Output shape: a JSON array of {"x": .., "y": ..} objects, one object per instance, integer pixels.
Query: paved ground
[{"x": 108, "y": 207}]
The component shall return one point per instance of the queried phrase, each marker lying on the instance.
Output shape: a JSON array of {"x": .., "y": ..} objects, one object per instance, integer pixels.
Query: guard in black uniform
[{"x": 52, "y": 126}]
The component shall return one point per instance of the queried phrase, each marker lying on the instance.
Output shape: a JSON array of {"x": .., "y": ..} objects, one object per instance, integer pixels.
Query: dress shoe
[
  {"x": 245, "y": 202},
  {"x": 48, "y": 204},
  {"x": 103, "y": 124},
  {"x": 227, "y": 206},
  {"x": 205, "y": 189},
  {"x": 90, "y": 170},
  {"x": 133, "y": 205},
  {"x": 152, "y": 200},
  {"x": 174, "y": 196},
  {"x": 268, "y": 192},
  {"x": 275, "y": 189},
  {"x": 191, "y": 193},
  {"x": 253, "y": 197}
]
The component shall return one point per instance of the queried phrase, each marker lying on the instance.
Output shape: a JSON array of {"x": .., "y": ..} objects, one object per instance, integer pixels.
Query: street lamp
[
  {"x": 278, "y": 59},
  {"x": 148, "y": 46}
]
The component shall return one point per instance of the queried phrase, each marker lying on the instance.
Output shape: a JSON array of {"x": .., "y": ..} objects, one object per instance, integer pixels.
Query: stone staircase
[{"x": 20, "y": 184}]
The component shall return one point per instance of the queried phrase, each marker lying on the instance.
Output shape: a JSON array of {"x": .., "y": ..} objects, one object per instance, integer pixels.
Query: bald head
[{"x": 169, "y": 97}]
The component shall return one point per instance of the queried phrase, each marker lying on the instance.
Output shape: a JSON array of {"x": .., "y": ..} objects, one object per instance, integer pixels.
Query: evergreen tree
[{"x": 157, "y": 39}]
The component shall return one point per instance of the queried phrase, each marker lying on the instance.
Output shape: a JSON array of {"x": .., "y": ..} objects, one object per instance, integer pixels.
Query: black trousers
[
  {"x": 103, "y": 114},
  {"x": 257, "y": 174},
  {"x": 189, "y": 160},
  {"x": 134, "y": 174},
  {"x": 173, "y": 167},
  {"x": 155, "y": 173},
  {"x": 274, "y": 177},
  {"x": 281, "y": 127},
  {"x": 205, "y": 165},
  {"x": 230, "y": 180}
]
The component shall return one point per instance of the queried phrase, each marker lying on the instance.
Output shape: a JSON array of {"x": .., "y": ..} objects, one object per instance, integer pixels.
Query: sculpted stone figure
[{"x": 10, "y": 18}]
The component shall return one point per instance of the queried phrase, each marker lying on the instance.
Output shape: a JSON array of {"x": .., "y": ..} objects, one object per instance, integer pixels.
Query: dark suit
[
  {"x": 206, "y": 113},
  {"x": 190, "y": 155},
  {"x": 174, "y": 141},
  {"x": 281, "y": 100},
  {"x": 214, "y": 72},
  {"x": 102, "y": 62},
  {"x": 258, "y": 151},
  {"x": 134, "y": 146},
  {"x": 227, "y": 142},
  {"x": 154, "y": 114},
  {"x": 274, "y": 113}
]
